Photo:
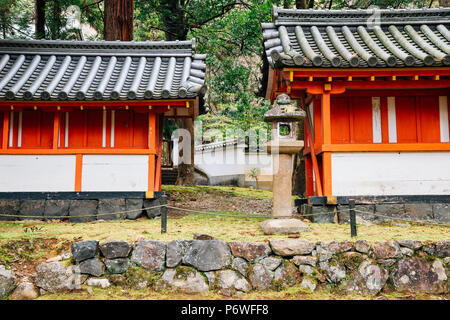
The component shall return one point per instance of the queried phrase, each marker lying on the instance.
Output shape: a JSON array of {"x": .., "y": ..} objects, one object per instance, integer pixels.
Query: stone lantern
[{"x": 283, "y": 146}]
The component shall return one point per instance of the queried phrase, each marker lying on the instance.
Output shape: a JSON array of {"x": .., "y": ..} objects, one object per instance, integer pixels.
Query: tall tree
[
  {"x": 39, "y": 18},
  {"x": 118, "y": 20}
]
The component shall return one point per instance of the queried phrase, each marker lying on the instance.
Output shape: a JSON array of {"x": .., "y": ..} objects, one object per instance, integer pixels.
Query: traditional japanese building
[
  {"x": 83, "y": 120},
  {"x": 375, "y": 87}
]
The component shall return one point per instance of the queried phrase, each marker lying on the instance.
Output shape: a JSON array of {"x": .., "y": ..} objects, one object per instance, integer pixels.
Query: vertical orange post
[
  {"x": 326, "y": 173},
  {"x": 326, "y": 118},
  {"x": 326, "y": 134},
  {"x": 5, "y": 130},
  {"x": 152, "y": 145},
  {"x": 55, "y": 130},
  {"x": 78, "y": 171}
]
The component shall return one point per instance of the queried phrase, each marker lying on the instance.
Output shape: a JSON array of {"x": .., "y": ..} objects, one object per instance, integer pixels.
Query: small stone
[
  {"x": 411, "y": 244},
  {"x": 386, "y": 250},
  {"x": 211, "y": 276},
  {"x": 84, "y": 250},
  {"x": 7, "y": 282},
  {"x": 369, "y": 279},
  {"x": 251, "y": 251},
  {"x": 119, "y": 265},
  {"x": 447, "y": 260},
  {"x": 334, "y": 273},
  {"x": 305, "y": 269},
  {"x": 271, "y": 263},
  {"x": 115, "y": 249},
  {"x": 429, "y": 249},
  {"x": 288, "y": 247},
  {"x": 260, "y": 277},
  {"x": 336, "y": 246},
  {"x": 99, "y": 283},
  {"x": 300, "y": 260},
  {"x": 54, "y": 259},
  {"x": 25, "y": 291},
  {"x": 287, "y": 275},
  {"x": 387, "y": 262},
  {"x": 229, "y": 279},
  {"x": 308, "y": 284},
  {"x": 93, "y": 267},
  {"x": 54, "y": 277},
  {"x": 199, "y": 236},
  {"x": 442, "y": 248},
  {"x": 285, "y": 226},
  {"x": 175, "y": 252},
  {"x": 352, "y": 260},
  {"x": 240, "y": 265},
  {"x": 149, "y": 254},
  {"x": 191, "y": 282},
  {"x": 207, "y": 255},
  {"x": 407, "y": 251},
  {"x": 362, "y": 246}
]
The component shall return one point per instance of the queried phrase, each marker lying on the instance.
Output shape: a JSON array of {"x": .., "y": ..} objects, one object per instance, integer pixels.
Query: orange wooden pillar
[
  {"x": 5, "y": 130},
  {"x": 152, "y": 144},
  {"x": 326, "y": 139}
]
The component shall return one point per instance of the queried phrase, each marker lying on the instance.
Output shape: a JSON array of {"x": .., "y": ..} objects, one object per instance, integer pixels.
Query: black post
[
  {"x": 351, "y": 204},
  {"x": 163, "y": 201}
]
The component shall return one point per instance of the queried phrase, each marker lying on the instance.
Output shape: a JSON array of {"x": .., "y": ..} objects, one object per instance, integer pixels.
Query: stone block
[
  {"x": 322, "y": 214},
  {"x": 9, "y": 207},
  {"x": 31, "y": 209},
  {"x": 390, "y": 211},
  {"x": 111, "y": 209},
  {"x": 56, "y": 208},
  {"x": 441, "y": 212},
  {"x": 83, "y": 210},
  {"x": 134, "y": 204},
  {"x": 284, "y": 226},
  {"x": 419, "y": 211}
]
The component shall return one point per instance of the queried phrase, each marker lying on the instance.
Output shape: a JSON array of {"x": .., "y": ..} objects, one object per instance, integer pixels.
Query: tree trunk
[
  {"x": 118, "y": 20},
  {"x": 300, "y": 4},
  {"x": 55, "y": 26},
  {"x": 175, "y": 29},
  {"x": 39, "y": 19}
]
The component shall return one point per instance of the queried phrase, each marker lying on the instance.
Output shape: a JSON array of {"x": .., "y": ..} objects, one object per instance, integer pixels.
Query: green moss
[
  {"x": 135, "y": 276},
  {"x": 350, "y": 260},
  {"x": 182, "y": 272}
]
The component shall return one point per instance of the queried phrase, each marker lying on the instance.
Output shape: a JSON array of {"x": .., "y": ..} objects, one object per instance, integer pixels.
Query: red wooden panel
[
  {"x": 94, "y": 128},
  {"x": 140, "y": 130},
  {"x": 405, "y": 109},
  {"x": 76, "y": 129},
  {"x": 428, "y": 112},
  {"x": 123, "y": 122},
  {"x": 361, "y": 124},
  {"x": 2, "y": 115},
  {"x": 31, "y": 128},
  {"x": 340, "y": 125},
  {"x": 317, "y": 123},
  {"x": 47, "y": 120}
]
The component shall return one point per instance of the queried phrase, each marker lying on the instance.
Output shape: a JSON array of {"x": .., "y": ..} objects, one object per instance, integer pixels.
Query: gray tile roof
[
  {"x": 358, "y": 38},
  {"x": 105, "y": 70}
]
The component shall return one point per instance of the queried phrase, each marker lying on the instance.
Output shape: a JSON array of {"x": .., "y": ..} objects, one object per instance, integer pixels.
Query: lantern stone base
[{"x": 285, "y": 226}]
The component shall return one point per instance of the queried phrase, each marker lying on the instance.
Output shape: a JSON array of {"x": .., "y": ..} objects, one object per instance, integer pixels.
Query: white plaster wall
[
  {"x": 221, "y": 161},
  {"x": 115, "y": 173},
  {"x": 391, "y": 173},
  {"x": 37, "y": 173}
]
